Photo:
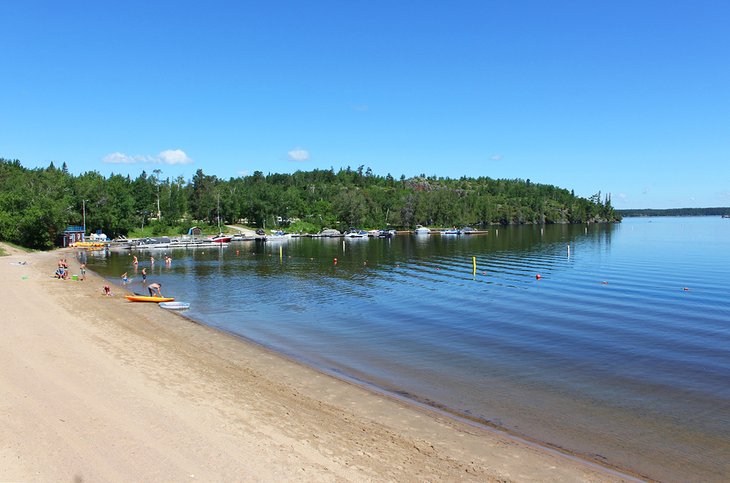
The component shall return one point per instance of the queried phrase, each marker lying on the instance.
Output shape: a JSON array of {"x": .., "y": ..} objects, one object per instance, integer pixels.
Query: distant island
[
  {"x": 676, "y": 212},
  {"x": 36, "y": 205}
]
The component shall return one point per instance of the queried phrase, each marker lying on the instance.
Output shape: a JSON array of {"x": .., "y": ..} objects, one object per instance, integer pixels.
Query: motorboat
[
  {"x": 353, "y": 233},
  {"x": 221, "y": 238},
  {"x": 422, "y": 230},
  {"x": 277, "y": 236},
  {"x": 150, "y": 243}
]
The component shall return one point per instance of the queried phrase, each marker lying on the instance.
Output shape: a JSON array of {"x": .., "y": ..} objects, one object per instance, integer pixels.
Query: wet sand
[{"x": 98, "y": 388}]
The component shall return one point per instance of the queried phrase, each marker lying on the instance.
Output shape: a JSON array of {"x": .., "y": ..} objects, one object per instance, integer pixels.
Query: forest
[
  {"x": 676, "y": 212},
  {"x": 36, "y": 205}
]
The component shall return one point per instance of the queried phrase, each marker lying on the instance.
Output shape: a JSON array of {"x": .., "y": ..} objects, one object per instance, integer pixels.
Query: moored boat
[{"x": 221, "y": 238}]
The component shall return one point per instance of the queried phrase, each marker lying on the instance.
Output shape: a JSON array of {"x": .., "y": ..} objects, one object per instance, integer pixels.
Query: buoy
[
  {"x": 686, "y": 289},
  {"x": 604, "y": 282},
  {"x": 538, "y": 276},
  {"x": 335, "y": 261},
  {"x": 484, "y": 273}
]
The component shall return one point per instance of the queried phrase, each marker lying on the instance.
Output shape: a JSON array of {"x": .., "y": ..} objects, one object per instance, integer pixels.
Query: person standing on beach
[
  {"x": 154, "y": 288},
  {"x": 82, "y": 271}
]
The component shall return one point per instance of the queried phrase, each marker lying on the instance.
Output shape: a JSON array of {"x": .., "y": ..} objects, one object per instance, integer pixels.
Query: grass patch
[{"x": 4, "y": 246}]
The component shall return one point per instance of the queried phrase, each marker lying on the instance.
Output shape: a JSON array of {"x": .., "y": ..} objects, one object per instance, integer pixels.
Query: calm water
[{"x": 606, "y": 355}]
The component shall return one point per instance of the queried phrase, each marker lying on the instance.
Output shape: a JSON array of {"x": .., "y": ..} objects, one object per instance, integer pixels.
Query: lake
[{"x": 619, "y": 351}]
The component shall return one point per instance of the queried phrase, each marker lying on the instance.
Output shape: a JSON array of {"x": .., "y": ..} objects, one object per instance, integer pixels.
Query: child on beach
[
  {"x": 107, "y": 291},
  {"x": 82, "y": 270}
]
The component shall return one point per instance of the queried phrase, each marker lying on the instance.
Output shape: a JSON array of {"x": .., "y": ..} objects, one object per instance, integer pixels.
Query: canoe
[
  {"x": 145, "y": 298},
  {"x": 174, "y": 305}
]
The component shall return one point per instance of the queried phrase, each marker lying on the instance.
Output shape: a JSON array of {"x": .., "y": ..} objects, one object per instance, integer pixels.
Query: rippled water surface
[{"x": 620, "y": 351}]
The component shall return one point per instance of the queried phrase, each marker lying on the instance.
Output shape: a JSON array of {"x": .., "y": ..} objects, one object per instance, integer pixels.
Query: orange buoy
[{"x": 538, "y": 276}]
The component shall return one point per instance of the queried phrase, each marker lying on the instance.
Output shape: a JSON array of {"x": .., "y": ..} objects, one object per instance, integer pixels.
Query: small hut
[{"x": 72, "y": 234}]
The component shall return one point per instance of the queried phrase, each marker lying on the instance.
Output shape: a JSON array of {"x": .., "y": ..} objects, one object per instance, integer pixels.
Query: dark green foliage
[
  {"x": 36, "y": 205},
  {"x": 676, "y": 212}
]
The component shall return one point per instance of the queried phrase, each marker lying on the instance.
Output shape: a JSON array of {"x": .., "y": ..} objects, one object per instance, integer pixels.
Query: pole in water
[
  {"x": 568, "y": 250},
  {"x": 474, "y": 264},
  {"x": 281, "y": 253}
]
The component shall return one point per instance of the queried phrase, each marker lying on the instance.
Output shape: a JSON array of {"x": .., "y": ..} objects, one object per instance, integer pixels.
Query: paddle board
[
  {"x": 145, "y": 298},
  {"x": 174, "y": 305}
]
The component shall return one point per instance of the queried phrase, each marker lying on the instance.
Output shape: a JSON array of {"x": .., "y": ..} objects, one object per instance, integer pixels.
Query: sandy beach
[{"x": 95, "y": 388}]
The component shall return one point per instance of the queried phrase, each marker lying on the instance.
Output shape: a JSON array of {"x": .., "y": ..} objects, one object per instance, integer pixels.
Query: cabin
[{"x": 72, "y": 234}]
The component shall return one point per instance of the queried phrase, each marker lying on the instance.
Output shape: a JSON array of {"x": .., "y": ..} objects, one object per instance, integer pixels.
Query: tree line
[
  {"x": 718, "y": 211},
  {"x": 36, "y": 205}
]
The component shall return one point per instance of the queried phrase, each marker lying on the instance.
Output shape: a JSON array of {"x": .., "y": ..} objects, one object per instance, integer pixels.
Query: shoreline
[{"x": 188, "y": 399}]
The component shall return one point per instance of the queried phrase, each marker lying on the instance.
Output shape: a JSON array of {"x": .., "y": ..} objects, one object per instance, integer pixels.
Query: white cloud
[
  {"x": 174, "y": 156},
  {"x": 170, "y": 156},
  {"x": 298, "y": 155},
  {"x": 121, "y": 158},
  {"x": 496, "y": 157}
]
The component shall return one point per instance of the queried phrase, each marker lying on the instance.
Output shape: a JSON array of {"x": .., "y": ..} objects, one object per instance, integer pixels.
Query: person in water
[
  {"x": 144, "y": 276},
  {"x": 125, "y": 279},
  {"x": 154, "y": 289}
]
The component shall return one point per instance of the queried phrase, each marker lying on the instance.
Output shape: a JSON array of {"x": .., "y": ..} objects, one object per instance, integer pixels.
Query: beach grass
[{"x": 6, "y": 248}]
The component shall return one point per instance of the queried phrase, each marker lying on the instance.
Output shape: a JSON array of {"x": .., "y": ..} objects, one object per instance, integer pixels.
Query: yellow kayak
[{"x": 146, "y": 298}]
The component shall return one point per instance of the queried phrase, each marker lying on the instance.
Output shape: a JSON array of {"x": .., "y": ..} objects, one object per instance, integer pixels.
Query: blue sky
[{"x": 626, "y": 97}]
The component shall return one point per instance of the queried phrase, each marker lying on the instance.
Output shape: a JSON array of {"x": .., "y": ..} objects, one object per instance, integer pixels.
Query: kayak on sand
[{"x": 146, "y": 298}]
